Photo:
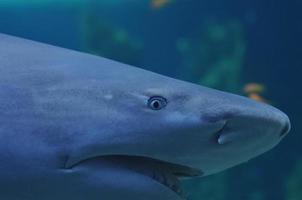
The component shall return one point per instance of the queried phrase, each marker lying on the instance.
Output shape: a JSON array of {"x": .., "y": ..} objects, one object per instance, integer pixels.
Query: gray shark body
[{"x": 77, "y": 126}]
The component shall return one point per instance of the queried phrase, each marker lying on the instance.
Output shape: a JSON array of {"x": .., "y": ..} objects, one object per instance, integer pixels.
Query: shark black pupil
[{"x": 157, "y": 103}]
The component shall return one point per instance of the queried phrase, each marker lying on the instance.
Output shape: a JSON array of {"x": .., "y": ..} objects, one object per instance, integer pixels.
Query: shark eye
[{"x": 157, "y": 103}]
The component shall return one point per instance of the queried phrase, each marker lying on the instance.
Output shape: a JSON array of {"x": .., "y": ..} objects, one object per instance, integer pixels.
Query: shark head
[
  {"x": 174, "y": 129},
  {"x": 76, "y": 126}
]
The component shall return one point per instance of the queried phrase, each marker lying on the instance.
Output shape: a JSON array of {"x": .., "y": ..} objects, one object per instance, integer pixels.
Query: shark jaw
[{"x": 166, "y": 173}]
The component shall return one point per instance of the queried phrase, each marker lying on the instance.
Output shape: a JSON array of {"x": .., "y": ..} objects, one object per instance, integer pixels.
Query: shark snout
[
  {"x": 254, "y": 123},
  {"x": 285, "y": 122},
  {"x": 247, "y": 129},
  {"x": 270, "y": 119},
  {"x": 247, "y": 121}
]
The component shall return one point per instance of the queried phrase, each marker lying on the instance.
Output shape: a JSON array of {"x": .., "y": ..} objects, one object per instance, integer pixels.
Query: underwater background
[{"x": 251, "y": 47}]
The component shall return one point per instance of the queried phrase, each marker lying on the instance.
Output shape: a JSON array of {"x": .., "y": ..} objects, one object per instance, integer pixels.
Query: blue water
[{"x": 133, "y": 32}]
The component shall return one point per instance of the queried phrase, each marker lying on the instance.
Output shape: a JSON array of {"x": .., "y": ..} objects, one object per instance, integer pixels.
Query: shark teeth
[
  {"x": 169, "y": 180},
  {"x": 165, "y": 173}
]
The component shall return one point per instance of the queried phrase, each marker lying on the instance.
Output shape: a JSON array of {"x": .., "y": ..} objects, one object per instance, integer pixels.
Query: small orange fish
[
  {"x": 257, "y": 97},
  {"x": 255, "y": 91},
  {"x": 254, "y": 88},
  {"x": 157, "y": 4}
]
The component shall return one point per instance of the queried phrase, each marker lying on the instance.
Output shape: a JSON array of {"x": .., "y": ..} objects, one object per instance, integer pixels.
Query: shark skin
[{"x": 77, "y": 126}]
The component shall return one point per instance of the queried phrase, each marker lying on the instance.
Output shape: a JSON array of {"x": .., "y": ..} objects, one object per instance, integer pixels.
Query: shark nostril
[{"x": 285, "y": 130}]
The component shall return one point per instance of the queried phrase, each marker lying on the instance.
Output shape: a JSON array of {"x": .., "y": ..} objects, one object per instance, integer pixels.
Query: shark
[{"x": 82, "y": 127}]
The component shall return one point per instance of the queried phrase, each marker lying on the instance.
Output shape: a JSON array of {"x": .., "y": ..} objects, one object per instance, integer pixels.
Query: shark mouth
[{"x": 165, "y": 173}]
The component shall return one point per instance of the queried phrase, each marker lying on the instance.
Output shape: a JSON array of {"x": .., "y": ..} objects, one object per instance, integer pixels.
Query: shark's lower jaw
[{"x": 165, "y": 173}]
